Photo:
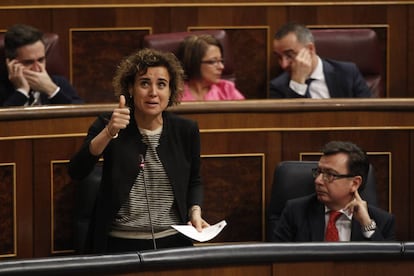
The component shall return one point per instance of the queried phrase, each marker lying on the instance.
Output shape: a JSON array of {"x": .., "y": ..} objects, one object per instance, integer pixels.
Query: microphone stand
[{"x": 141, "y": 166}]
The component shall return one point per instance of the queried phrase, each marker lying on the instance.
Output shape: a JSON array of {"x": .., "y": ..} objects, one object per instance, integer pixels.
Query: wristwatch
[{"x": 370, "y": 227}]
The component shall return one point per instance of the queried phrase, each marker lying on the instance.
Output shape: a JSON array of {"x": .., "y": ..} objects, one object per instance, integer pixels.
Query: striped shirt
[{"x": 153, "y": 182}]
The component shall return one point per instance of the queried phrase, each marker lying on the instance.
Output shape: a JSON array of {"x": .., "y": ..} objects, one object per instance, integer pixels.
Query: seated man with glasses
[
  {"x": 336, "y": 212},
  {"x": 202, "y": 59}
]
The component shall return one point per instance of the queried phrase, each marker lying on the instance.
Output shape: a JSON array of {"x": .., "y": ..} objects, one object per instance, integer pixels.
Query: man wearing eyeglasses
[
  {"x": 336, "y": 211},
  {"x": 27, "y": 82},
  {"x": 306, "y": 75}
]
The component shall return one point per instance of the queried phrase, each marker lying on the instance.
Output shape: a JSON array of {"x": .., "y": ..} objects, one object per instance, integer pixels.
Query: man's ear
[
  {"x": 356, "y": 183},
  {"x": 311, "y": 47}
]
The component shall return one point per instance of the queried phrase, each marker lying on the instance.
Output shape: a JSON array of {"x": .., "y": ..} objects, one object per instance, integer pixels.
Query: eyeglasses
[
  {"x": 328, "y": 177},
  {"x": 214, "y": 62}
]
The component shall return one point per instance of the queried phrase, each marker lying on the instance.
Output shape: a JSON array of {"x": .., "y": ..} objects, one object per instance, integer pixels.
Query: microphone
[
  {"x": 141, "y": 167},
  {"x": 141, "y": 162}
]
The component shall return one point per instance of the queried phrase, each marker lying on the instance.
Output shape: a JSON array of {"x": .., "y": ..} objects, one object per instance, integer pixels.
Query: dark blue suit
[
  {"x": 342, "y": 78},
  {"x": 303, "y": 220},
  {"x": 9, "y": 96}
]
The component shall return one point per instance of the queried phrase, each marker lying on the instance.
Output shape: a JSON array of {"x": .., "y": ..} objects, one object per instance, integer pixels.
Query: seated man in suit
[
  {"x": 28, "y": 83},
  {"x": 306, "y": 75},
  {"x": 336, "y": 212}
]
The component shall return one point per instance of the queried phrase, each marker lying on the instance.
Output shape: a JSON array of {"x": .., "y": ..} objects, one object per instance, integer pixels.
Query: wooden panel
[
  {"x": 63, "y": 200},
  {"x": 397, "y": 18},
  {"x": 222, "y": 142},
  {"x": 233, "y": 188},
  {"x": 95, "y": 56},
  {"x": 233, "y": 270},
  {"x": 249, "y": 61},
  {"x": 7, "y": 209},
  {"x": 16, "y": 199},
  {"x": 53, "y": 188},
  {"x": 410, "y": 50}
]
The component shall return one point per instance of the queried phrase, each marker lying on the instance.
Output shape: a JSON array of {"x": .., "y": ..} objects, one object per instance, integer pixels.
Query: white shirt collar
[
  {"x": 346, "y": 213},
  {"x": 317, "y": 74}
]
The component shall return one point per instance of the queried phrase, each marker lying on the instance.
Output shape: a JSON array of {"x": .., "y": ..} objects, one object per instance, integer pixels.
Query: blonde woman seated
[{"x": 202, "y": 60}]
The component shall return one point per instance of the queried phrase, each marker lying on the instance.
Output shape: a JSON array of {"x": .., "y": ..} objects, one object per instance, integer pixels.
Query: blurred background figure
[
  {"x": 306, "y": 75},
  {"x": 28, "y": 82},
  {"x": 202, "y": 60}
]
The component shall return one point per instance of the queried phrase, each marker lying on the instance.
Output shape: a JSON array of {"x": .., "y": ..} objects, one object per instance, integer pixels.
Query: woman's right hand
[{"x": 119, "y": 119}]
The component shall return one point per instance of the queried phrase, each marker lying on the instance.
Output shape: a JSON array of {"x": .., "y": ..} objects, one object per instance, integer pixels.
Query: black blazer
[
  {"x": 179, "y": 152},
  {"x": 342, "y": 78},
  {"x": 11, "y": 97},
  {"x": 303, "y": 220}
]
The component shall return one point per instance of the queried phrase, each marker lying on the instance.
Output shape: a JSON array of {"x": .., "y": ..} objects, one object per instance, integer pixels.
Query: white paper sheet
[{"x": 207, "y": 234}]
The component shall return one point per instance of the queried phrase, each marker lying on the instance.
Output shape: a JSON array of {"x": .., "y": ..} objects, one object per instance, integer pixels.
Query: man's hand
[
  {"x": 40, "y": 81},
  {"x": 301, "y": 66},
  {"x": 359, "y": 208},
  {"x": 15, "y": 70}
]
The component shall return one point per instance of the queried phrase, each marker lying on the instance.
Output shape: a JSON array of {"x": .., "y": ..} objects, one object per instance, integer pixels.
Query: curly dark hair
[{"x": 138, "y": 63}]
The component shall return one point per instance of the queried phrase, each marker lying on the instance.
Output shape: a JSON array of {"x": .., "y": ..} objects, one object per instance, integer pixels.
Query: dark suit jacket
[
  {"x": 342, "y": 78},
  {"x": 303, "y": 220},
  {"x": 11, "y": 97},
  {"x": 179, "y": 152}
]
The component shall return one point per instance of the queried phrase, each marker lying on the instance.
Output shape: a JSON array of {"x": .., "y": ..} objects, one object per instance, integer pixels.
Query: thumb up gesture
[{"x": 119, "y": 119}]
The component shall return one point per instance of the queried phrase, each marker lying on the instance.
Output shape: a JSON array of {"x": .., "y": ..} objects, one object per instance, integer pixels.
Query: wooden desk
[{"x": 241, "y": 142}]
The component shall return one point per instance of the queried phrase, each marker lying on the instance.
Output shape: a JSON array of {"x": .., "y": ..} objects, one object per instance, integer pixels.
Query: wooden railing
[{"x": 265, "y": 259}]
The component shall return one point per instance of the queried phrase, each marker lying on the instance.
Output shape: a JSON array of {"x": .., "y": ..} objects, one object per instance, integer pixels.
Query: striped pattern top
[{"x": 133, "y": 215}]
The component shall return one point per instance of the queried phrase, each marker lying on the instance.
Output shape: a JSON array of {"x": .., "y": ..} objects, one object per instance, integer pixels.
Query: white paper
[{"x": 207, "y": 234}]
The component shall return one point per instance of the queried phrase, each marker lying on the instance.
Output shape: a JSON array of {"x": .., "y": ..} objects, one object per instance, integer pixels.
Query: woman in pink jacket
[{"x": 202, "y": 60}]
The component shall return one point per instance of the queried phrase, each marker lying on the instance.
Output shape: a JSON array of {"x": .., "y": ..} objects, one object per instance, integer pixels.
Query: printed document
[{"x": 207, "y": 234}]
